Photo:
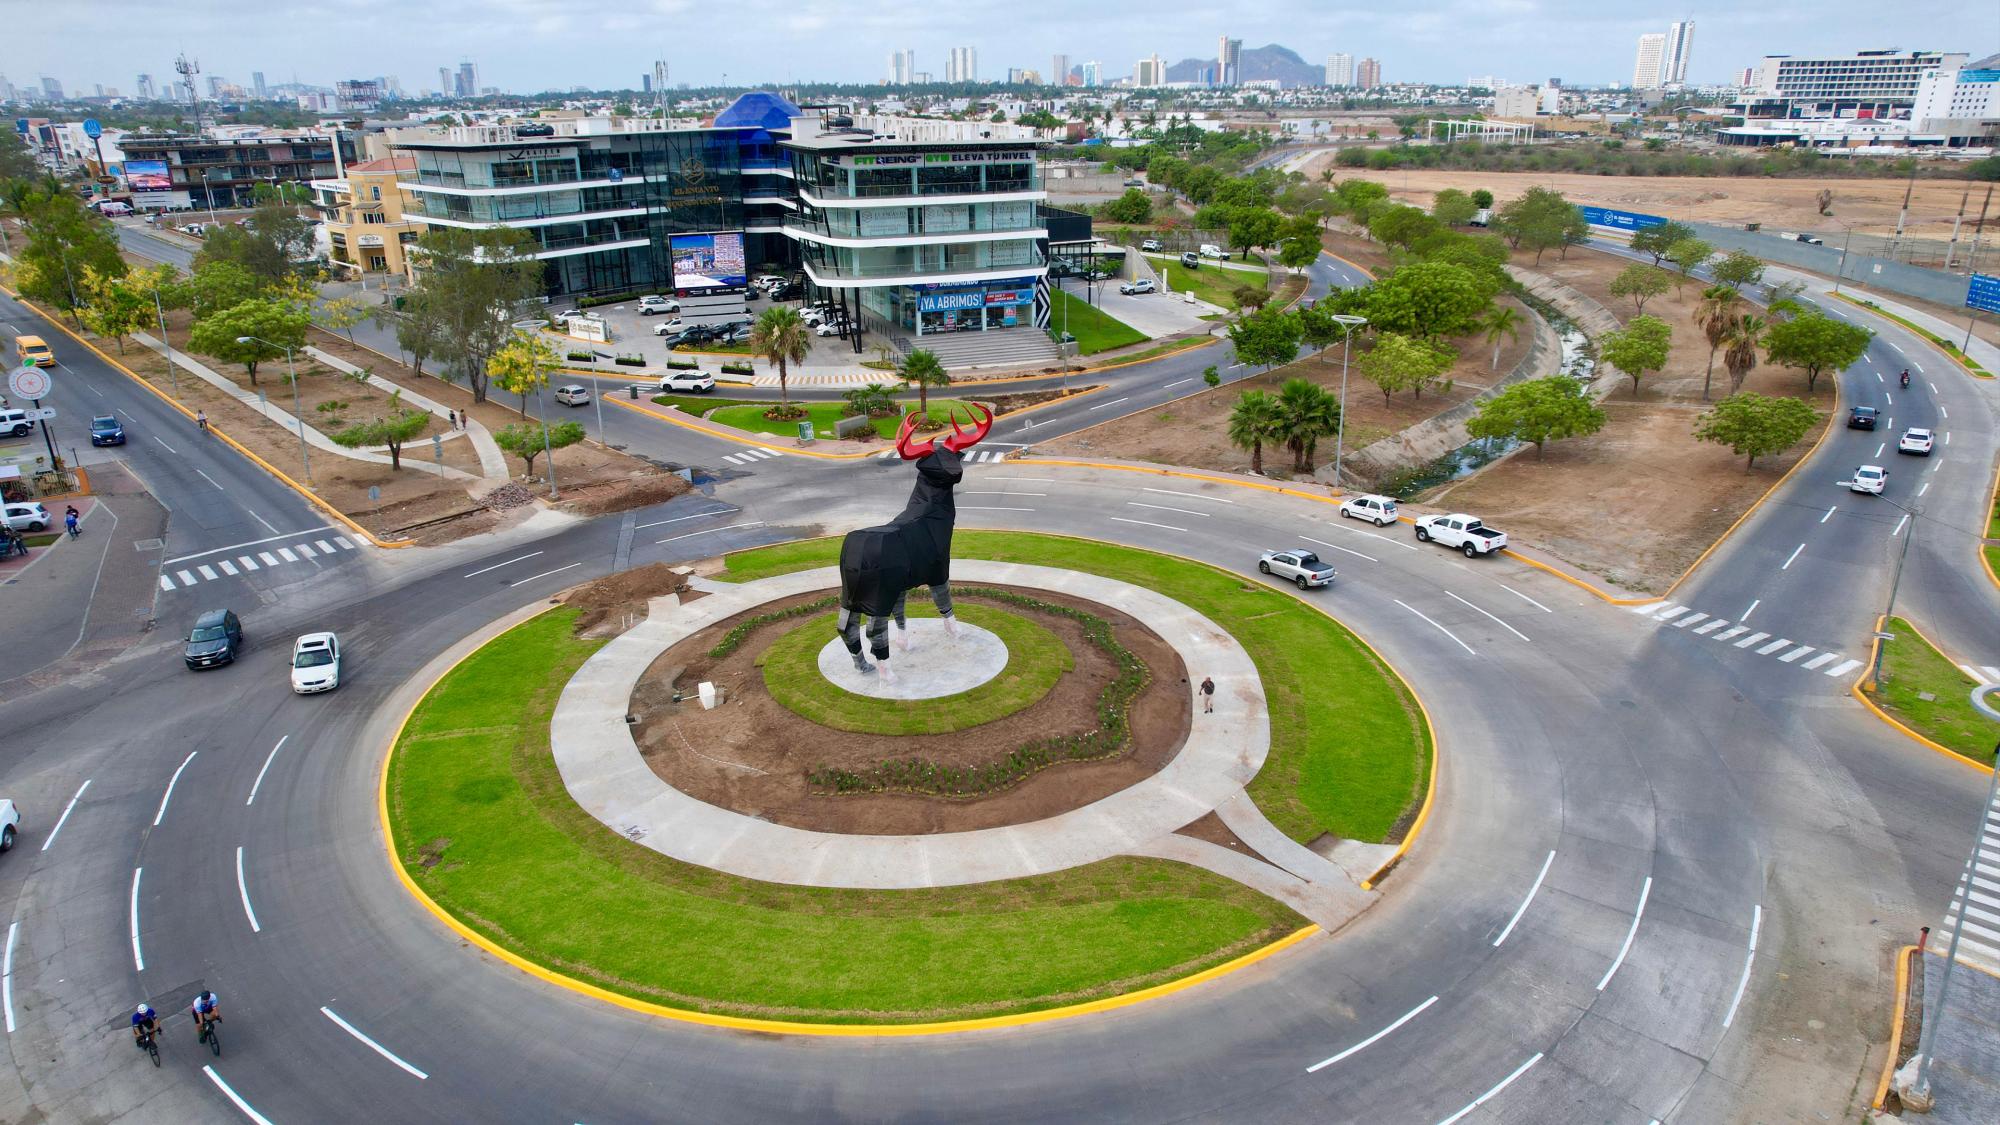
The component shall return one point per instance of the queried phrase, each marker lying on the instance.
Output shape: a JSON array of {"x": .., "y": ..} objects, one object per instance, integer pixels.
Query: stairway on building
[{"x": 999, "y": 347}]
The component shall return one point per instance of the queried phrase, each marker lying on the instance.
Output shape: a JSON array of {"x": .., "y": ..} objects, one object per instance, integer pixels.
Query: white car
[
  {"x": 1133, "y": 288},
  {"x": 815, "y": 313},
  {"x": 766, "y": 280},
  {"x": 830, "y": 327},
  {"x": 27, "y": 517},
  {"x": 1917, "y": 441},
  {"x": 576, "y": 394},
  {"x": 1869, "y": 478},
  {"x": 1378, "y": 510},
  {"x": 315, "y": 663},
  {"x": 650, "y": 306},
  {"x": 693, "y": 382},
  {"x": 1303, "y": 567},
  {"x": 10, "y": 819},
  {"x": 670, "y": 327},
  {"x": 1150, "y": 246},
  {"x": 1211, "y": 250}
]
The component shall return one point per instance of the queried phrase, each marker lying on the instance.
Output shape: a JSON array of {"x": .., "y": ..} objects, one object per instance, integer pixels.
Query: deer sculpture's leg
[
  {"x": 902, "y": 622},
  {"x": 878, "y": 647},
  {"x": 941, "y": 597},
  {"x": 848, "y": 625}
]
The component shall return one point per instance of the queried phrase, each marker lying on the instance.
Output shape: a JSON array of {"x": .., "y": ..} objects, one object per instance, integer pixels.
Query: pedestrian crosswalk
[
  {"x": 1984, "y": 673},
  {"x": 178, "y": 577},
  {"x": 752, "y": 455},
  {"x": 976, "y": 457},
  {"x": 1977, "y": 896},
  {"x": 1783, "y": 649}
]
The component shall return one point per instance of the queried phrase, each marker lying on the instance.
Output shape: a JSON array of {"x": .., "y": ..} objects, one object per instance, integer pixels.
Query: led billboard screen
[
  {"x": 147, "y": 175},
  {"x": 709, "y": 261}
]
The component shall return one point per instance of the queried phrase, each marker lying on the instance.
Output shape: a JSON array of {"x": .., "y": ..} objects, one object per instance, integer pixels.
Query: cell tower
[{"x": 187, "y": 68}]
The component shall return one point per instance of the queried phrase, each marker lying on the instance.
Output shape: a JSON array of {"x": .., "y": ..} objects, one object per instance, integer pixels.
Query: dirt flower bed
[{"x": 754, "y": 756}]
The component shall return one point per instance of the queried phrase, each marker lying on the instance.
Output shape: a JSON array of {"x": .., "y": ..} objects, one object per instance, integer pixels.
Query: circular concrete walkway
[
  {"x": 935, "y": 665},
  {"x": 602, "y": 768}
]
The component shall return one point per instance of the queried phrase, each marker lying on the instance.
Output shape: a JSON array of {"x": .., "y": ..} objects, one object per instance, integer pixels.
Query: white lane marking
[
  {"x": 1102, "y": 405},
  {"x": 1037, "y": 480},
  {"x": 1494, "y": 1092},
  {"x": 544, "y": 574},
  {"x": 372, "y": 1045},
  {"x": 210, "y": 480},
  {"x": 64, "y": 818},
  {"x": 1829, "y": 513},
  {"x": 7, "y": 975},
  {"x": 187, "y": 577},
  {"x": 1524, "y": 597},
  {"x": 286, "y": 554},
  {"x": 1730, "y": 632},
  {"x": 1843, "y": 668},
  {"x": 1933, "y": 386},
  {"x": 1880, "y": 448},
  {"x": 166, "y": 583},
  {"x": 227, "y": 566},
  {"x": 696, "y": 516},
  {"x": 1669, "y": 612},
  {"x": 247, "y": 563},
  {"x": 1644, "y": 891},
  {"x": 234, "y": 1098},
  {"x": 268, "y": 527},
  {"x": 1924, "y": 489},
  {"x": 1650, "y": 608},
  {"x": 731, "y": 458},
  {"x": 1822, "y": 658},
  {"x": 1495, "y": 620},
  {"x": 207, "y": 572},
  {"x": 138, "y": 957},
  {"x": 1878, "y": 377},
  {"x": 1164, "y": 508},
  {"x": 243, "y": 890},
  {"x": 345, "y": 543},
  {"x": 171, "y": 782},
  {"x": 1176, "y": 383},
  {"x": 168, "y": 448},
  {"x": 324, "y": 546},
  {"x": 1942, "y": 412},
  {"x": 1191, "y": 495},
  {"x": 1751, "y": 640},
  {"x": 268, "y": 759},
  {"x": 969, "y": 492},
  {"x": 1795, "y": 654},
  {"x": 498, "y": 565},
  {"x": 1756, "y": 924},
  {"x": 992, "y": 508},
  {"x": 1342, "y": 550},
  {"x": 1711, "y": 627},
  {"x": 1899, "y": 525},
  {"x": 1435, "y": 625},
  {"x": 711, "y": 531},
  {"x": 1523, "y": 908},
  {"x": 304, "y": 551},
  {"x": 1887, "y": 397},
  {"x": 1773, "y": 647},
  {"x": 269, "y": 558},
  {"x": 1689, "y": 620},
  {"x": 1794, "y": 558},
  {"x": 1148, "y": 523},
  {"x": 1406, "y": 1017}
]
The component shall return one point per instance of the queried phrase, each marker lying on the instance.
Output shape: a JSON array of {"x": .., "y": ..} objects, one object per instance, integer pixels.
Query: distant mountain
[{"x": 1260, "y": 64}]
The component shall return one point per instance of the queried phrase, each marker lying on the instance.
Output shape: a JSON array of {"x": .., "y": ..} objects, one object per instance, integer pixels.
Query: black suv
[
  {"x": 105, "y": 430},
  {"x": 1861, "y": 418},
  {"x": 216, "y": 638}
]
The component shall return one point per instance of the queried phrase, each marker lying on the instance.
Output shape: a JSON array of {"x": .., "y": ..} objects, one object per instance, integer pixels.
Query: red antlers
[{"x": 959, "y": 441}]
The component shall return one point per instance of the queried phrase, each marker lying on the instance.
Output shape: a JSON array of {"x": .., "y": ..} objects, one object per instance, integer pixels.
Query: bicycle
[
  {"x": 150, "y": 1043},
  {"x": 212, "y": 1035}
]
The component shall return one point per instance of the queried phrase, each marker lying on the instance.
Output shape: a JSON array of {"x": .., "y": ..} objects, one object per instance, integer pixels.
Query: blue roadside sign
[
  {"x": 92, "y": 129},
  {"x": 1984, "y": 293}
]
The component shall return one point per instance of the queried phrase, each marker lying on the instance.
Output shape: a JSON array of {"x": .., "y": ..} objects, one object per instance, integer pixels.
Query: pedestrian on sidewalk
[
  {"x": 1208, "y": 695},
  {"x": 201, "y": 420},
  {"x": 454, "y": 419},
  {"x": 71, "y": 521},
  {"x": 12, "y": 544}
]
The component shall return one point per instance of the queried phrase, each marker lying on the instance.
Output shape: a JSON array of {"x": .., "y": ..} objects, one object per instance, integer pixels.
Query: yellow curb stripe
[
  {"x": 1578, "y": 582},
  {"x": 1921, "y": 333},
  {"x": 295, "y": 486},
  {"x": 1904, "y": 957},
  {"x": 1979, "y": 546}
]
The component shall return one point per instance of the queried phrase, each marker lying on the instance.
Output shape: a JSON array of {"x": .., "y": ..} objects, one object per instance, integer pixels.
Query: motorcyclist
[{"x": 1906, "y": 376}]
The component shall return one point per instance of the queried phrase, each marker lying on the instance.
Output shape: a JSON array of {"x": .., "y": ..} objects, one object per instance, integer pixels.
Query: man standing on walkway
[
  {"x": 70, "y": 521},
  {"x": 1208, "y": 695}
]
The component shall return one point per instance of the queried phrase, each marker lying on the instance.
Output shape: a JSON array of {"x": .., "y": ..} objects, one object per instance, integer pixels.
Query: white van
[
  {"x": 1211, "y": 250},
  {"x": 113, "y": 207}
]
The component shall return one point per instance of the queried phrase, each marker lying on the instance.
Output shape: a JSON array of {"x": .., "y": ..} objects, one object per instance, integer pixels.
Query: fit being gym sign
[{"x": 895, "y": 159}]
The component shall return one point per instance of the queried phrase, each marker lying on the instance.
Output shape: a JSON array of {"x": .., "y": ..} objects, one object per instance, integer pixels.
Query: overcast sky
[{"x": 529, "y": 45}]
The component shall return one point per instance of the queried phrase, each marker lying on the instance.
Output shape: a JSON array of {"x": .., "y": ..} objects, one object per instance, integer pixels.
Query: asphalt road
[{"x": 1660, "y": 882}]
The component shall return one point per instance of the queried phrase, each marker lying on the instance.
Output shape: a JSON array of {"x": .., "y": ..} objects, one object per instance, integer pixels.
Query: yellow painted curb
[
  {"x": 1578, "y": 582},
  {"x": 1903, "y": 959},
  {"x": 1980, "y": 546},
  {"x": 1855, "y": 689},
  {"x": 163, "y": 396},
  {"x": 1916, "y": 330}
]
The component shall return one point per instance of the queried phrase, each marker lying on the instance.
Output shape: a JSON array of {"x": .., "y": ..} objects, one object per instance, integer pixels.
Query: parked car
[
  {"x": 1463, "y": 532},
  {"x": 1191, "y": 260},
  {"x": 1917, "y": 441},
  {"x": 1378, "y": 510},
  {"x": 14, "y": 423},
  {"x": 1303, "y": 567},
  {"x": 1133, "y": 288},
  {"x": 1211, "y": 250},
  {"x": 787, "y": 291},
  {"x": 830, "y": 327},
  {"x": 315, "y": 663},
  {"x": 652, "y": 306},
  {"x": 10, "y": 821},
  {"x": 1151, "y": 246},
  {"x": 692, "y": 382},
  {"x": 1135, "y": 182},
  {"x": 26, "y": 516},
  {"x": 670, "y": 327},
  {"x": 813, "y": 314},
  {"x": 737, "y": 333},
  {"x": 575, "y": 394},
  {"x": 1871, "y": 479},
  {"x": 694, "y": 334},
  {"x": 766, "y": 280},
  {"x": 1861, "y": 418},
  {"x": 216, "y": 638},
  {"x": 105, "y": 429}
]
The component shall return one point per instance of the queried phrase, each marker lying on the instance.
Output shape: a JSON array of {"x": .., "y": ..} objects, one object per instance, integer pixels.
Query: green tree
[
  {"x": 1250, "y": 297},
  {"x": 871, "y": 401},
  {"x": 1135, "y": 206},
  {"x": 1641, "y": 283},
  {"x": 1754, "y": 426},
  {"x": 1254, "y": 422},
  {"x": 16, "y": 162},
  {"x": 1638, "y": 349},
  {"x": 63, "y": 239},
  {"x": 399, "y": 425},
  {"x": 251, "y": 332},
  {"x": 419, "y": 328},
  {"x": 1211, "y": 376},
  {"x": 1482, "y": 199},
  {"x": 1400, "y": 226},
  {"x": 1402, "y": 363},
  {"x": 1429, "y": 299},
  {"x": 267, "y": 243},
  {"x": 112, "y": 309},
  {"x": 1538, "y": 411},
  {"x": 1746, "y": 332},
  {"x": 1715, "y": 314},
  {"x": 1814, "y": 342},
  {"x": 1540, "y": 220},
  {"x": 477, "y": 283},
  {"x": 1355, "y": 198},
  {"x": 341, "y": 314},
  {"x": 1657, "y": 239},
  {"x": 1299, "y": 252},
  {"x": 1318, "y": 329},
  {"x": 1738, "y": 269},
  {"x": 522, "y": 366},
  {"x": 218, "y": 285},
  {"x": 526, "y": 441},
  {"x": 1453, "y": 207},
  {"x": 1254, "y": 226},
  {"x": 1307, "y": 412},
  {"x": 1689, "y": 255},
  {"x": 1267, "y": 337},
  {"x": 1500, "y": 321},
  {"x": 922, "y": 369},
  {"x": 782, "y": 339}
]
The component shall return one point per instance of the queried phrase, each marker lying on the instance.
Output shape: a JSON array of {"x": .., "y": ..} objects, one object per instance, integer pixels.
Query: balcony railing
[
  {"x": 827, "y": 266},
  {"x": 981, "y": 224},
  {"x": 891, "y": 191}
]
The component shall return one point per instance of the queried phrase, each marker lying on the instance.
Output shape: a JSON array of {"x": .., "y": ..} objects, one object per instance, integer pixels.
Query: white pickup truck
[{"x": 1462, "y": 532}]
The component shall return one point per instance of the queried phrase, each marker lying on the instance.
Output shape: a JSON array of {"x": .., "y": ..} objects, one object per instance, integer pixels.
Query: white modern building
[
  {"x": 902, "y": 66},
  {"x": 1340, "y": 69},
  {"x": 1229, "y": 62},
  {"x": 962, "y": 65},
  {"x": 1679, "y": 48},
  {"x": 1864, "y": 85},
  {"x": 1646, "y": 70},
  {"x": 1962, "y": 103},
  {"x": 1149, "y": 73}
]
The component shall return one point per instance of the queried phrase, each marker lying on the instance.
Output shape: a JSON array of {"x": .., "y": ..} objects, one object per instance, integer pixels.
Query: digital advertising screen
[
  {"x": 147, "y": 175},
  {"x": 709, "y": 261}
]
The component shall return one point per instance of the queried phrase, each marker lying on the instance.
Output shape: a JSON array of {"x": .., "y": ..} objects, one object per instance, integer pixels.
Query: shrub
[
  {"x": 582, "y": 357},
  {"x": 630, "y": 361}
]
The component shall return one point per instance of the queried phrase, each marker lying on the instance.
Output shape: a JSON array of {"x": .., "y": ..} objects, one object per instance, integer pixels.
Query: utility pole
[
  {"x": 1905, "y": 212},
  {"x": 1972, "y": 267},
  {"x": 1956, "y": 222},
  {"x": 187, "y": 68}
]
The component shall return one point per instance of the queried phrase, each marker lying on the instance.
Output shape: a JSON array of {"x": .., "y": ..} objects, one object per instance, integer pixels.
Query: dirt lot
[
  {"x": 1195, "y": 431},
  {"x": 1779, "y": 204},
  {"x": 751, "y": 754}
]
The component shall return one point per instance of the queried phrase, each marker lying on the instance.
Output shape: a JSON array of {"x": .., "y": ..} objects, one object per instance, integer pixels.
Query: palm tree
[
  {"x": 780, "y": 337},
  {"x": 1501, "y": 321},
  {"x": 1254, "y": 421},
  {"x": 922, "y": 370},
  {"x": 1715, "y": 315},
  {"x": 1745, "y": 333},
  {"x": 1307, "y": 413}
]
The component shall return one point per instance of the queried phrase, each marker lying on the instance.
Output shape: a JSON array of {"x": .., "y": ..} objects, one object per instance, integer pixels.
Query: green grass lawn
[
  {"x": 1095, "y": 330},
  {"x": 825, "y": 414},
  {"x": 1211, "y": 284},
  {"x": 1167, "y": 348},
  {"x": 1036, "y": 659},
  {"x": 1910, "y": 667},
  {"x": 481, "y": 821},
  {"x": 1353, "y": 761}
]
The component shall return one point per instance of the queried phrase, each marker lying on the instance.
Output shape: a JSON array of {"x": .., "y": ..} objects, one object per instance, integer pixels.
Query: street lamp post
[
  {"x": 1895, "y": 582},
  {"x": 298, "y": 411},
  {"x": 1348, "y": 323}
]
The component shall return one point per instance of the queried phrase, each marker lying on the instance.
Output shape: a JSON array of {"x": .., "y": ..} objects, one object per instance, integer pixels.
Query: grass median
[
  {"x": 825, "y": 414},
  {"x": 1912, "y": 669},
  {"x": 1350, "y": 749},
  {"x": 481, "y": 821},
  {"x": 1095, "y": 330}
]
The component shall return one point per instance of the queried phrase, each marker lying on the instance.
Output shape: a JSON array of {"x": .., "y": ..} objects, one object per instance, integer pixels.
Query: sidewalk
[{"x": 492, "y": 462}]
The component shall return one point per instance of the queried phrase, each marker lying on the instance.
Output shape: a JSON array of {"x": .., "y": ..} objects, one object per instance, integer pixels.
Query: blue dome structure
[{"x": 758, "y": 109}]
